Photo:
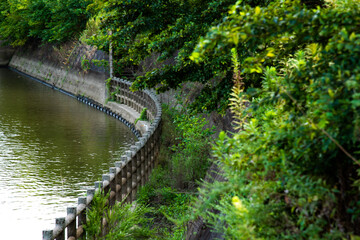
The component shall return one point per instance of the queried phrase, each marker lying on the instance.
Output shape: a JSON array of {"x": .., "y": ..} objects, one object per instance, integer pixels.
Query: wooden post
[
  {"x": 82, "y": 216},
  {"x": 147, "y": 156},
  {"x": 140, "y": 146},
  {"x": 135, "y": 172},
  {"x": 143, "y": 162},
  {"x": 130, "y": 171},
  {"x": 127, "y": 169},
  {"x": 98, "y": 185},
  {"x": 116, "y": 182},
  {"x": 122, "y": 180},
  {"x": 106, "y": 188},
  {"x": 60, "y": 224},
  {"x": 111, "y": 188},
  {"x": 151, "y": 144},
  {"x": 47, "y": 235},
  {"x": 90, "y": 194},
  {"x": 71, "y": 228}
]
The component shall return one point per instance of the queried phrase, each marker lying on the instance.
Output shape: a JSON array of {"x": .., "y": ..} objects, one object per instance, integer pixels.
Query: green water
[{"x": 52, "y": 148}]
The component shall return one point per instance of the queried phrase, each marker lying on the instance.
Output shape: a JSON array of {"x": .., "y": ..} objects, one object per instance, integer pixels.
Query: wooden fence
[{"x": 125, "y": 178}]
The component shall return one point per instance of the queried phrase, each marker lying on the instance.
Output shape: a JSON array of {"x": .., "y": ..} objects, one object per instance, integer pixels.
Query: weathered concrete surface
[
  {"x": 129, "y": 114},
  {"x": 5, "y": 55},
  {"x": 48, "y": 64},
  {"x": 91, "y": 85},
  {"x": 62, "y": 68}
]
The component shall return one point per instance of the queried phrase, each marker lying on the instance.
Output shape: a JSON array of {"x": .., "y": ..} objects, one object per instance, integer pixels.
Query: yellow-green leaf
[{"x": 257, "y": 10}]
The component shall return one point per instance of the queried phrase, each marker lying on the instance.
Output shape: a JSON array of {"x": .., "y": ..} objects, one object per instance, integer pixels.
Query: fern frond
[{"x": 237, "y": 98}]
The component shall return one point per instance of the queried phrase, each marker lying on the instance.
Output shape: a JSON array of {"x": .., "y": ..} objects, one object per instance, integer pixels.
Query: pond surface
[{"x": 52, "y": 148}]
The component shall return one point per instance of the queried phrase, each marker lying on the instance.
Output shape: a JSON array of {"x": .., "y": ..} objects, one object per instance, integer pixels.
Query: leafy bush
[
  {"x": 95, "y": 215},
  {"x": 293, "y": 171},
  {"x": 188, "y": 160},
  {"x": 125, "y": 221},
  {"x": 173, "y": 181}
]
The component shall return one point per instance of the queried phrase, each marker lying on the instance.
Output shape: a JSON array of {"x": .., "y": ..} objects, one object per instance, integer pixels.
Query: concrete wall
[
  {"x": 89, "y": 84},
  {"x": 62, "y": 69}
]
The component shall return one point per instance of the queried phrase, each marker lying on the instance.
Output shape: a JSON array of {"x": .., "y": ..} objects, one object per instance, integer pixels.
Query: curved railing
[{"x": 125, "y": 178}]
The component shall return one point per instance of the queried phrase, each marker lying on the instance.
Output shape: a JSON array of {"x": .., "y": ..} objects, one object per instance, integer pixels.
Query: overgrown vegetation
[
  {"x": 162, "y": 206},
  {"x": 166, "y": 32},
  {"x": 124, "y": 221},
  {"x": 292, "y": 171},
  {"x": 290, "y": 70},
  {"x": 183, "y": 162}
]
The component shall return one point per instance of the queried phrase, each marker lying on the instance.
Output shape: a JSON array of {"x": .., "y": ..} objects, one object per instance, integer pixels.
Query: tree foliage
[
  {"x": 46, "y": 20},
  {"x": 293, "y": 171},
  {"x": 167, "y": 31}
]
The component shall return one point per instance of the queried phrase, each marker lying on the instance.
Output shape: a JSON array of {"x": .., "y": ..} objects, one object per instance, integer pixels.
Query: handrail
[{"x": 129, "y": 174}]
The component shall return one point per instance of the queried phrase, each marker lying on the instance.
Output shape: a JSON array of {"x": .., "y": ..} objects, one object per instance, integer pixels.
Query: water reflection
[{"x": 52, "y": 147}]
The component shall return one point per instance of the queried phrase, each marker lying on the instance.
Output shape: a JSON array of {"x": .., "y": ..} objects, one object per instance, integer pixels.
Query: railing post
[
  {"x": 60, "y": 224},
  {"x": 47, "y": 235},
  {"x": 130, "y": 169},
  {"x": 136, "y": 170},
  {"x": 152, "y": 145},
  {"x": 122, "y": 180},
  {"x": 140, "y": 145},
  {"x": 142, "y": 159},
  {"x": 111, "y": 188},
  {"x": 99, "y": 186},
  {"x": 82, "y": 217},
  {"x": 147, "y": 157},
  {"x": 105, "y": 177},
  {"x": 71, "y": 228},
  {"x": 90, "y": 194},
  {"x": 114, "y": 184}
]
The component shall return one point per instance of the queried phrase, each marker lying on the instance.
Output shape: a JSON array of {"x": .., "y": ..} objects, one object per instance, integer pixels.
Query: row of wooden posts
[{"x": 125, "y": 178}]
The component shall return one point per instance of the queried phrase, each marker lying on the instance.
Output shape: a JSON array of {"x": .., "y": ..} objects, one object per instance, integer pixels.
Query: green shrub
[
  {"x": 125, "y": 221},
  {"x": 183, "y": 160},
  {"x": 94, "y": 216},
  {"x": 189, "y": 160},
  {"x": 292, "y": 172}
]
